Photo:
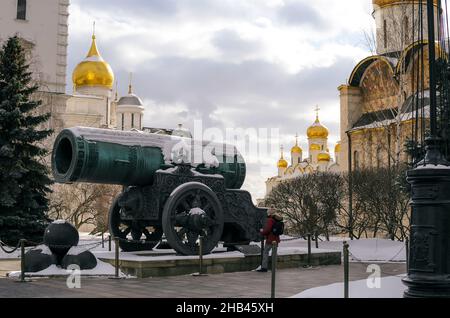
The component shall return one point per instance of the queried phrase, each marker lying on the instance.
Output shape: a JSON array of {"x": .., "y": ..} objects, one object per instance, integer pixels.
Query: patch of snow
[
  {"x": 365, "y": 250},
  {"x": 390, "y": 287},
  {"x": 77, "y": 250},
  {"x": 166, "y": 143},
  {"x": 300, "y": 250},
  {"x": 44, "y": 249},
  {"x": 196, "y": 211},
  {"x": 431, "y": 166},
  {"x": 59, "y": 222},
  {"x": 102, "y": 269},
  {"x": 210, "y": 160},
  {"x": 181, "y": 152}
]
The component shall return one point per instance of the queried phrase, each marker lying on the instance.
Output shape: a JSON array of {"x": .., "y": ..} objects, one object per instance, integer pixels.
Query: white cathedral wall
[
  {"x": 94, "y": 91},
  {"x": 46, "y": 27},
  {"x": 86, "y": 111}
]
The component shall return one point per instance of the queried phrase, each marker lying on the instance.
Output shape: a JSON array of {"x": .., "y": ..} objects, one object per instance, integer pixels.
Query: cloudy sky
[{"x": 230, "y": 63}]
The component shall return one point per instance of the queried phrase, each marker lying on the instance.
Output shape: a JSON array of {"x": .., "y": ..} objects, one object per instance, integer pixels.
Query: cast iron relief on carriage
[{"x": 175, "y": 186}]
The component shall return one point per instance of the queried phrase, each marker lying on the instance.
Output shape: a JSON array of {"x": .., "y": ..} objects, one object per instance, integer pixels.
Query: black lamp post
[{"x": 429, "y": 250}]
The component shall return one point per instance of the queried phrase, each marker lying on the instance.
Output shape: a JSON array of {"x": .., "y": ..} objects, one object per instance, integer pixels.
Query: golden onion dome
[
  {"x": 315, "y": 147},
  {"x": 317, "y": 130},
  {"x": 324, "y": 156},
  {"x": 296, "y": 149},
  {"x": 282, "y": 163},
  {"x": 93, "y": 70},
  {"x": 383, "y": 3},
  {"x": 337, "y": 149}
]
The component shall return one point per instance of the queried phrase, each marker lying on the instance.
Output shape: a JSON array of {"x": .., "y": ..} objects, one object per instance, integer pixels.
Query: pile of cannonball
[{"x": 60, "y": 248}]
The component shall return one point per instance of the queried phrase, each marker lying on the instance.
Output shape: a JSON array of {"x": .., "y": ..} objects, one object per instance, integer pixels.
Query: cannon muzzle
[{"x": 93, "y": 155}]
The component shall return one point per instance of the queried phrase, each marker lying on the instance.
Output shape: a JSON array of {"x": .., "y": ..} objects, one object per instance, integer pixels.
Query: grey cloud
[
  {"x": 232, "y": 45},
  {"x": 249, "y": 88},
  {"x": 299, "y": 13}
]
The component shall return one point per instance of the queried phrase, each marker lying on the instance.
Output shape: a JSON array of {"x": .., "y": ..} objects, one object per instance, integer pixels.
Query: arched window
[
  {"x": 379, "y": 158},
  {"x": 132, "y": 120},
  {"x": 21, "y": 10},
  {"x": 406, "y": 30},
  {"x": 385, "y": 33},
  {"x": 123, "y": 121},
  {"x": 356, "y": 160}
]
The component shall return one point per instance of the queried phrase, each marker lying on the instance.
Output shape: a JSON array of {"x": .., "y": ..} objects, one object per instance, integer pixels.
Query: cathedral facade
[
  {"x": 377, "y": 102},
  {"x": 318, "y": 159}
]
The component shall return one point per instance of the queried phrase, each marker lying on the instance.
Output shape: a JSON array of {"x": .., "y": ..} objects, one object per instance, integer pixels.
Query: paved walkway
[{"x": 228, "y": 285}]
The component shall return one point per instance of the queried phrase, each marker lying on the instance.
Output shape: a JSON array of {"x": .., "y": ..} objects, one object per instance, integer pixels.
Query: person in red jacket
[{"x": 272, "y": 215}]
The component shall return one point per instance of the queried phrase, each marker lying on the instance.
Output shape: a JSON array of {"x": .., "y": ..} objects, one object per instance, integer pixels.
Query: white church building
[{"x": 42, "y": 26}]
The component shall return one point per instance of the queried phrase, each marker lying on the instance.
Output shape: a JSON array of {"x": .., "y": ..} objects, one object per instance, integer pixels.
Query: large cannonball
[
  {"x": 84, "y": 259},
  {"x": 60, "y": 236},
  {"x": 38, "y": 259}
]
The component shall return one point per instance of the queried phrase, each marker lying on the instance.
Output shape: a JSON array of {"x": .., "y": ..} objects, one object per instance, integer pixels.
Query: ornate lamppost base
[
  {"x": 431, "y": 288},
  {"x": 429, "y": 258}
]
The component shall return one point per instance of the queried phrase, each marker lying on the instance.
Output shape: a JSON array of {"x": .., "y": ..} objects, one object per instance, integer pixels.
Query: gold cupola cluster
[
  {"x": 93, "y": 70},
  {"x": 318, "y": 148}
]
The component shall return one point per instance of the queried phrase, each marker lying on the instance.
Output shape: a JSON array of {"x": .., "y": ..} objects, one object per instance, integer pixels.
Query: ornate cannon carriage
[{"x": 164, "y": 190}]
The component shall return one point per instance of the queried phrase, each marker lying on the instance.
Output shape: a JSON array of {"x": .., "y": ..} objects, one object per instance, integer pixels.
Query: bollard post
[
  {"x": 200, "y": 257},
  {"x": 407, "y": 253},
  {"x": 103, "y": 240},
  {"x": 22, "y": 260},
  {"x": 109, "y": 243},
  {"x": 309, "y": 249},
  {"x": 274, "y": 267},
  {"x": 346, "y": 269},
  {"x": 317, "y": 239},
  {"x": 200, "y": 253},
  {"x": 262, "y": 251},
  {"x": 116, "y": 243}
]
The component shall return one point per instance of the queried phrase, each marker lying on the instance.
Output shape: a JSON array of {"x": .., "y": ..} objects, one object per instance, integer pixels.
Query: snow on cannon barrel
[
  {"x": 82, "y": 154},
  {"x": 173, "y": 185}
]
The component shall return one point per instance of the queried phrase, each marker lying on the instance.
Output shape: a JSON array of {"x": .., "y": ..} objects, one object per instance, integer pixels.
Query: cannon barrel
[{"x": 131, "y": 158}]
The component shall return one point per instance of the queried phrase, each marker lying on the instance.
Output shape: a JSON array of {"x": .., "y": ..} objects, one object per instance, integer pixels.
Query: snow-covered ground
[
  {"x": 366, "y": 250},
  {"x": 390, "y": 287}
]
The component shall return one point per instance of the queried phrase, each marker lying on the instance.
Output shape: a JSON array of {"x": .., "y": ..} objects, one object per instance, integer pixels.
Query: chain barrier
[
  {"x": 292, "y": 239},
  {"x": 390, "y": 260},
  {"x": 137, "y": 241},
  {"x": 33, "y": 245},
  {"x": 3, "y": 245},
  {"x": 363, "y": 263}
]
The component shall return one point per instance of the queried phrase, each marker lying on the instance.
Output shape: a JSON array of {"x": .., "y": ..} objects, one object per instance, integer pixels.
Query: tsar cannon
[{"x": 174, "y": 186}]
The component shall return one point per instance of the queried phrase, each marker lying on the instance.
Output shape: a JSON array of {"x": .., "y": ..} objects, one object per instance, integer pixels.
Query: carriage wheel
[
  {"x": 192, "y": 210},
  {"x": 134, "y": 235}
]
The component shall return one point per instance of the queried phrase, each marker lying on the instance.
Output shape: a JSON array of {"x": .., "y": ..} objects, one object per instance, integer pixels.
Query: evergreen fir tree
[{"x": 24, "y": 181}]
